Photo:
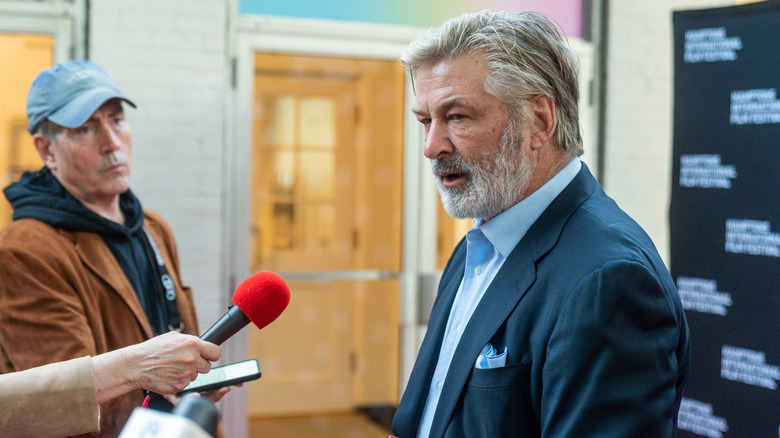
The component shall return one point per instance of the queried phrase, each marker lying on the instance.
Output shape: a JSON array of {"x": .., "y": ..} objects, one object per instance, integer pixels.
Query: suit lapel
[
  {"x": 506, "y": 290},
  {"x": 98, "y": 258}
]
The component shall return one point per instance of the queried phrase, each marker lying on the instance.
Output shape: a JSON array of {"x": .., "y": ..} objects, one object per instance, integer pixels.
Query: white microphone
[{"x": 193, "y": 417}]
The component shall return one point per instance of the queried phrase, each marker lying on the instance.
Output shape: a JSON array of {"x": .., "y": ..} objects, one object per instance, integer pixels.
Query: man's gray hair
[
  {"x": 50, "y": 130},
  {"x": 527, "y": 54}
]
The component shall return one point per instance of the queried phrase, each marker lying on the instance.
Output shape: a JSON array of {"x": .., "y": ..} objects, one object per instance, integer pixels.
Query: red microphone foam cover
[{"x": 262, "y": 297}]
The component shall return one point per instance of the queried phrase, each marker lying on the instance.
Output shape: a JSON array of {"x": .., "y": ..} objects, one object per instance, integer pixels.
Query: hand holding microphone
[
  {"x": 259, "y": 299},
  {"x": 164, "y": 364}
]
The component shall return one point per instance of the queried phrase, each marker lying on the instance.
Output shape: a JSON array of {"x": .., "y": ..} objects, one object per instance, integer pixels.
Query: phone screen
[{"x": 225, "y": 375}]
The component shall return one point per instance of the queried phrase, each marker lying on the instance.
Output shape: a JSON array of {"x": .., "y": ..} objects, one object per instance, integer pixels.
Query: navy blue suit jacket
[{"x": 597, "y": 341}]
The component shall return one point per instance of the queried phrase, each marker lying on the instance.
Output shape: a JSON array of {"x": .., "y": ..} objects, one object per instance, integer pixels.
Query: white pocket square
[{"x": 488, "y": 358}]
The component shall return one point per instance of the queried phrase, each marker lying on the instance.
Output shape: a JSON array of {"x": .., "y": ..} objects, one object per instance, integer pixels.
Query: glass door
[{"x": 326, "y": 212}]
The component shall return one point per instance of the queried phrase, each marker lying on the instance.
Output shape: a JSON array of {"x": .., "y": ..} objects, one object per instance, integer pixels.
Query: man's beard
[{"x": 496, "y": 179}]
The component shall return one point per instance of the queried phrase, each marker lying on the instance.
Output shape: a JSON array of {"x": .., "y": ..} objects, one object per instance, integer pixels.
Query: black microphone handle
[
  {"x": 227, "y": 326},
  {"x": 200, "y": 411}
]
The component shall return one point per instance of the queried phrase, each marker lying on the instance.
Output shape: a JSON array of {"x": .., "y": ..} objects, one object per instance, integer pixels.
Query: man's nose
[
  {"x": 109, "y": 138},
  {"x": 437, "y": 141}
]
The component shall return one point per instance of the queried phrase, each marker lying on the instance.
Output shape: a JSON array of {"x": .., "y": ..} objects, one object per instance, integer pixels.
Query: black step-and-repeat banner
[{"x": 725, "y": 216}]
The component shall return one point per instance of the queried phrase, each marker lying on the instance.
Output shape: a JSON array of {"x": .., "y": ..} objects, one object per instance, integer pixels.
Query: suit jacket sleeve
[
  {"x": 611, "y": 363},
  {"x": 49, "y": 401}
]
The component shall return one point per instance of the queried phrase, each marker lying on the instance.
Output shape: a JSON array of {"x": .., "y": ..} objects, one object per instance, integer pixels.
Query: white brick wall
[
  {"x": 169, "y": 57},
  {"x": 638, "y": 133}
]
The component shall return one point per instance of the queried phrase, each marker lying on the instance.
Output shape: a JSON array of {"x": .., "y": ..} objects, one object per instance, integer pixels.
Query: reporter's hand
[
  {"x": 216, "y": 395},
  {"x": 213, "y": 396},
  {"x": 164, "y": 364},
  {"x": 167, "y": 363}
]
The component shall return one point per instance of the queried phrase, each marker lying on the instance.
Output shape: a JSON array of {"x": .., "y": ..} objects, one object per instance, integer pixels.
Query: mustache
[
  {"x": 115, "y": 158},
  {"x": 453, "y": 163}
]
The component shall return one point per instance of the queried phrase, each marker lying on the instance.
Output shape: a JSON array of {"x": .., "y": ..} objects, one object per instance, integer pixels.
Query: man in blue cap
[{"x": 85, "y": 270}]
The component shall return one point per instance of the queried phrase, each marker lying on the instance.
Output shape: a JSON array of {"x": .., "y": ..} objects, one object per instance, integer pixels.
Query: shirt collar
[{"x": 505, "y": 230}]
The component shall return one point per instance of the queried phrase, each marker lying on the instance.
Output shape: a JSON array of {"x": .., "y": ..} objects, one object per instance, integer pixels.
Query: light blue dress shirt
[{"x": 488, "y": 244}]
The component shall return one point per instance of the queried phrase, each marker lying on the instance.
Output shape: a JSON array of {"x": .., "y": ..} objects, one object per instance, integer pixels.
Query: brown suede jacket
[{"x": 63, "y": 295}]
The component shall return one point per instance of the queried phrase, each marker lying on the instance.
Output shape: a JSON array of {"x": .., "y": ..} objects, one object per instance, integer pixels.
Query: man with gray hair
[{"x": 555, "y": 315}]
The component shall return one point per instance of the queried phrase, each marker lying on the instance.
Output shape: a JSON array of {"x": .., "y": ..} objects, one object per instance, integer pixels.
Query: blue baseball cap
[{"x": 69, "y": 93}]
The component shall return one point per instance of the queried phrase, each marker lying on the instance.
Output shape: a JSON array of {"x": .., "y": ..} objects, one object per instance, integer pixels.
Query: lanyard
[{"x": 174, "y": 322}]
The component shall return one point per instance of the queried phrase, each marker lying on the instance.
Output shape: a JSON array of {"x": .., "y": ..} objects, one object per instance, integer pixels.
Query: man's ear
[
  {"x": 542, "y": 126},
  {"x": 43, "y": 146}
]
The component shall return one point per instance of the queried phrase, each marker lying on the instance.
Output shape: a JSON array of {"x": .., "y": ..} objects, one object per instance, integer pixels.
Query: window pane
[
  {"x": 278, "y": 173},
  {"x": 317, "y": 176},
  {"x": 281, "y": 232},
  {"x": 279, "y": 119},
  {"x": 318, "y": 224},
  {"x": 317, "y": 122}
]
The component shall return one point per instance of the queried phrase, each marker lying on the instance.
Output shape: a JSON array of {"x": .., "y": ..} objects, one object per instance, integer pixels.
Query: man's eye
[{"x": 457, "y": 117}]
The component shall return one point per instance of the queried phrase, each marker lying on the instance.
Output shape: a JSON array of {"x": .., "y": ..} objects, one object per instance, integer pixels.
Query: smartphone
[{"x": 225, "y": 375}]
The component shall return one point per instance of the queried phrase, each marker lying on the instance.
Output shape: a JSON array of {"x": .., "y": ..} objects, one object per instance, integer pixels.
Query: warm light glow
[
  {"x": 27, "y": 55},
  {"x": 326, "y": 201}
]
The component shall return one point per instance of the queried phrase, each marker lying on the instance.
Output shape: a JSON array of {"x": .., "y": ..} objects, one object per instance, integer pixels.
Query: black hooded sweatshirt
[{"x": 38, "y": 195}]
